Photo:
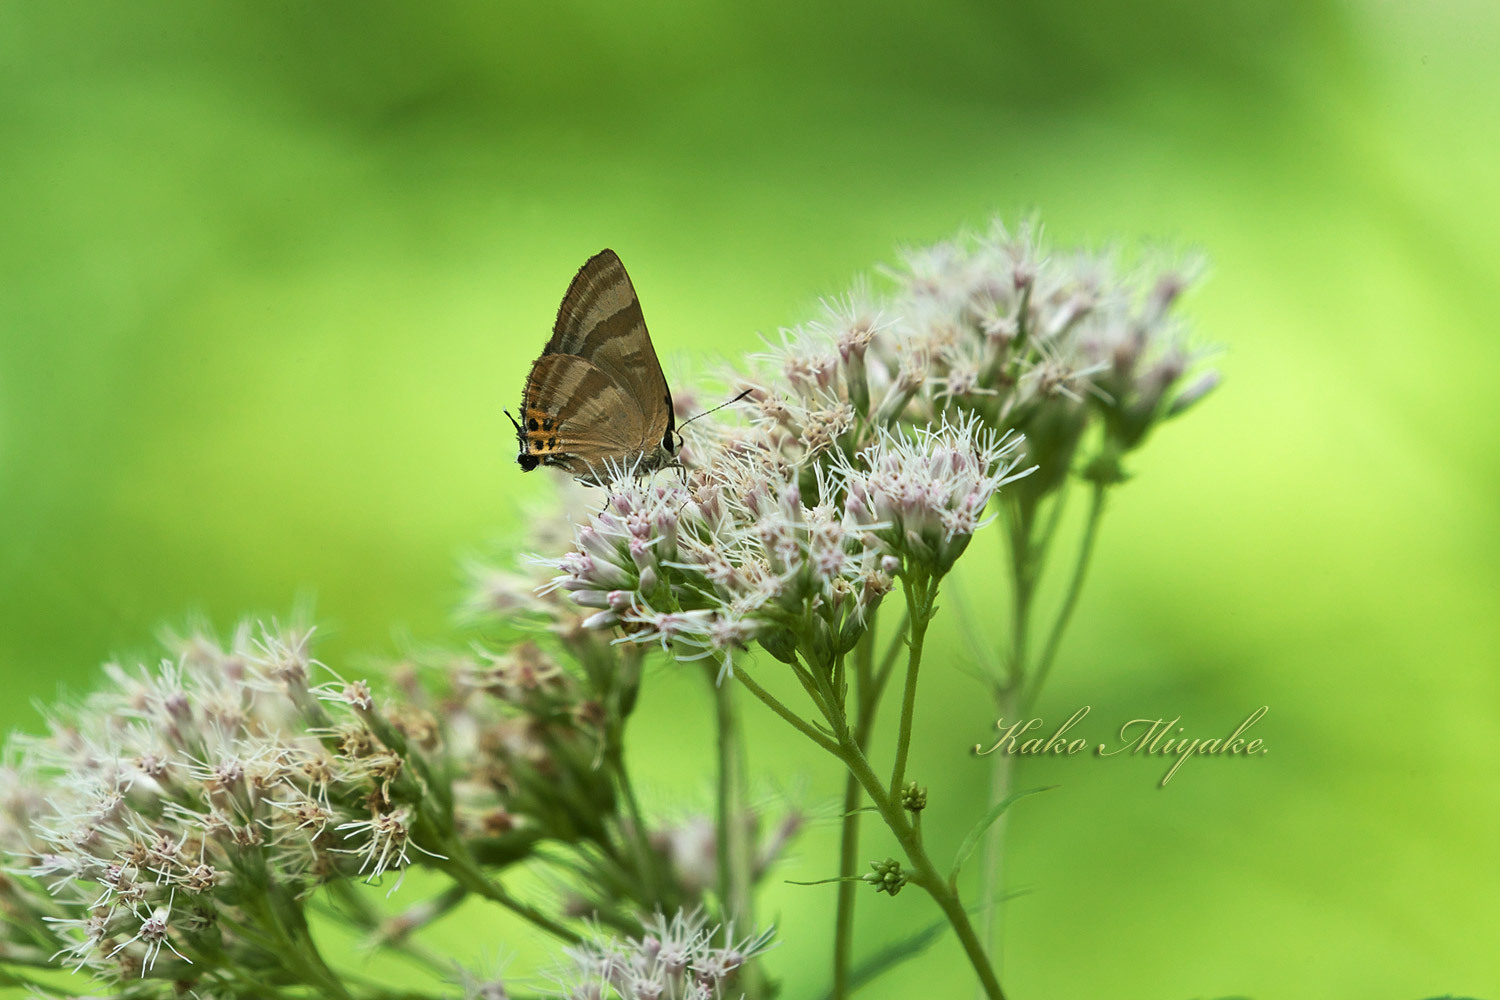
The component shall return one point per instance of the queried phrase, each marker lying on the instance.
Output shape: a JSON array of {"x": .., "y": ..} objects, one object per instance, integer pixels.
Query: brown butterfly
[{"x": 596, "y": 400}]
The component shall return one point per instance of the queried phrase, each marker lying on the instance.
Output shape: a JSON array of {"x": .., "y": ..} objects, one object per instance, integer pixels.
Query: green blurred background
[{"x": 270, "y": 270}]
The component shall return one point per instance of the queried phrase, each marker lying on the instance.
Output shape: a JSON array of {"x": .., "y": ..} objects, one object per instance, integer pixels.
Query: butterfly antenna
[
  {"x": 714, "y": 410},
  {"x": 513, "y": 422}
]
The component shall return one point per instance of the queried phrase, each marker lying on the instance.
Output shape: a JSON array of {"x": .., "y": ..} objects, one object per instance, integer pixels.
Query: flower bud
[
  {"x": 886, "y": 876},
  {"x": 913, "y": 797},
  {"x": 1193, "y": 393}
]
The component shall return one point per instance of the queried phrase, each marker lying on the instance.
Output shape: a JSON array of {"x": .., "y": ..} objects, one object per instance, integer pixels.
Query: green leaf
[
  {"x": 971, "y": 841},
  {"x": 892, "y": 955}
]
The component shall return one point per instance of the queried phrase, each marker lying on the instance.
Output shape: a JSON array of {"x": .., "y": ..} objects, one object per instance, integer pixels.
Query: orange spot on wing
[{"x": 541, "y": 442}]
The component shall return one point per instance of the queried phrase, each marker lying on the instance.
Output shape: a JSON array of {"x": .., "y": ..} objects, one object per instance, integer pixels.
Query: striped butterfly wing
[
  {"x": 578, "y": 417},
  {"x": 600, "y": 321}
]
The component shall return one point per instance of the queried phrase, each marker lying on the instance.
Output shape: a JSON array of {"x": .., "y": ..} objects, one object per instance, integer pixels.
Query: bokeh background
[{"x": 270, "y": 270}]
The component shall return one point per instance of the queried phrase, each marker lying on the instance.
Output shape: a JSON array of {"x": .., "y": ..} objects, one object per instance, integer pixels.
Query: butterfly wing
[
  {"x": 579, "y": 417},
  {"x": 600, "y": 321}
]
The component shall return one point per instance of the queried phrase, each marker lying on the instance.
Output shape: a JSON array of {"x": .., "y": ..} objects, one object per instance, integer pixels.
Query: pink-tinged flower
[
  {"x": 153, "y": 934},
  {"x": 675, "y": 959},
  {"x": 929, "y": 488}
]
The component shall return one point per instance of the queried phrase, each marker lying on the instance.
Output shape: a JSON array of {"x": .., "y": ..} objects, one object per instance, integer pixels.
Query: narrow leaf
[
  {"x": 971, "y": 841},
  {"x": 892, "y": 955}
]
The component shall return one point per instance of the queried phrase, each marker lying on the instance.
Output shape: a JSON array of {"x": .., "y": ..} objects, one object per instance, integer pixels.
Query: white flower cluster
[
  {"x": 741, "y": 553},
  {"x": 728, "y": 557},
  {"x": 929, "y": 488},
  {"x": 166, "y": 827},
  {"x": 1043, "y": 343},
  {"x": 152, "y": 816},
  {"x": 676, "y": 959}
]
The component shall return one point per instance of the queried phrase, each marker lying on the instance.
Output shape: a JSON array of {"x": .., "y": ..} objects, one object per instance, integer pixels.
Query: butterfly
[{"x": 596, "y": 400}]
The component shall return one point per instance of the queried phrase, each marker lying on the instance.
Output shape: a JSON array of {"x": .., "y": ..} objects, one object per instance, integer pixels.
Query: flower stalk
[
  {"x": 925, "y": 873},
  {"x": 870, "y": 684},
  {"x": 920, "y": 609},
  {"x": 1016, "y": 695}
]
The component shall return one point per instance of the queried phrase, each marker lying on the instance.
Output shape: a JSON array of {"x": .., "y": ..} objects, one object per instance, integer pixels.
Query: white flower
[
  {"x": 929, "y": 489},
  {"x": 676, "y": 959},
  {"x": 731, "y": 557},
  {"x": 153, "y": 933}
]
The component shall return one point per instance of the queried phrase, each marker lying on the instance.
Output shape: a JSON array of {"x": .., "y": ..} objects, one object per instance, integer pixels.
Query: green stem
[
  {"x": 888, "y": 661},
  {"x": 800, "y": 724},
  {"x": 847, "y": 749},
  {"x": 359, "y": 912},
  {"x": 816, "y": 686},
  {"x": 735, "y": 860},
  {"x": 1049, "y": 530},
  {"x": 24, "y": 955},
  {"x": 462, "y": 869},
  {"x": 992, "y": 871},
  {"x": 925, "y": 872},
  {"x": 1070, "y": 600},
  {"x": 919, "y": 605},
  {"x": 281, "y": 919},
  {"x": 10, "y": 978},
  {"x": 1018, "y": 696},
  {"x": 1023, "y": 574},
  {"x": 866, "y": 699},
  {"x": 864, "y": 662},
  {"x": 332, "y": 983},
  {"x": 639, "y": 838},
  {"x": 1023, "y": 585},
  {"x": 843, "y": 926}
]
